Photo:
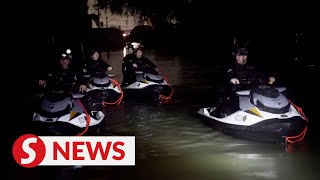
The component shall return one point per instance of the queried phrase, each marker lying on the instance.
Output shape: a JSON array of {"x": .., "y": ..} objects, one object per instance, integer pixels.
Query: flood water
[{"x": 172, "y": 143}]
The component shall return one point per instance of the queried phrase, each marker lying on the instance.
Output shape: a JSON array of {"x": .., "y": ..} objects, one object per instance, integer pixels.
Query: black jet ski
[
  {"x": 261, "y": 113},
  {"x": 60, "y": 112},
  {"x": 103, "y": 90},
  {"x": 149, "y": 85}
]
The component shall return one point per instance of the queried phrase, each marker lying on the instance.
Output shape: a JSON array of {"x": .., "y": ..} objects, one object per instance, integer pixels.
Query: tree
[{"x": 157, "y": 11}]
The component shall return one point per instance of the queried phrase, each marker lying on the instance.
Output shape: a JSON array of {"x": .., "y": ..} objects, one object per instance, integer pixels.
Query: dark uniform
[
  {"x": 143, "y": 64},
  {"x": 248, "y": 75},
  {"x": 65, "y": 79},
  {"x": 95, "y": 67}
]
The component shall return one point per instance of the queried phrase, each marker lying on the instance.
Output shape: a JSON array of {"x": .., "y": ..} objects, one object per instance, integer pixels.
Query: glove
[
  {"x": 271, "y": 80},
  {"x": 135, "y": 65},
  {"x": 234, "y": 81},
  {"x": 82, "y": 88},
  {"x": 42, "y": 83}
]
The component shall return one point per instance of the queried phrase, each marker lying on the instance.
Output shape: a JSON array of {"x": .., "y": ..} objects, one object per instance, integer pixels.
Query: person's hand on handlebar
[
  {"x": 234, "y": 81},
  {"x": 271, "y": 80},
  {"x": 135, "y": 65},
  {"x": 82, "y": 88},
  {"x": 42, "y": 83}
]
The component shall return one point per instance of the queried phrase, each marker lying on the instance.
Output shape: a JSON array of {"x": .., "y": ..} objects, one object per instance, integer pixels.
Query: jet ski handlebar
[{"x": 250, "y": 81}]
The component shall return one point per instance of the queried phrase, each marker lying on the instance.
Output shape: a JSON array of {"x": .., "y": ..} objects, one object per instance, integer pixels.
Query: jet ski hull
[
  {"x": 269, "y": 130},
  {"x": 62, "y": 115},
  {"x": 96, "y": 97},
  {"x": 148, "y": 92}
]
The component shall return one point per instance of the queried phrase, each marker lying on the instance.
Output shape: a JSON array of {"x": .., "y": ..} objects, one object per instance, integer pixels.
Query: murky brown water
[{"x": 171, "y": 143}]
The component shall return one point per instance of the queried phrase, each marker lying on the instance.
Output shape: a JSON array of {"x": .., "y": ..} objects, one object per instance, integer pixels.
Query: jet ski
[
  {"x": 103, "y": 90},
  {"x": 63, "y": 113},
  {"x": 261, "y": 113},
  {"x": 149, "y": 85}
]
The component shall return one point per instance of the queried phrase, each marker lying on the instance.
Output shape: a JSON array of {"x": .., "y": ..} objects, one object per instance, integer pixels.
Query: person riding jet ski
[
  {"x": 137, "y": 63},
  {"x": 102, "y": 90},
  {"x": 62, "y": 108},
  {"x": 244, "y": 71},
  {"x": 64, "y": 76},
  {"x": 142, "y": 80},
  {"x": 127, "y": 64},
  {"x": 95, "y": 65},
  {"x": 250, "y": 108},
  {"x": 241, "y": 76}
]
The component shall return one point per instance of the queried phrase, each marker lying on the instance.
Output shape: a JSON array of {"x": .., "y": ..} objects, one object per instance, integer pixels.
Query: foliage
[{"x": 156, "y": 10}]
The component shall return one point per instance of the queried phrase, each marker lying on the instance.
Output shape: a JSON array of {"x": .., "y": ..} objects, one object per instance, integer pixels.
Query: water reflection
[
  {"x": 181, "y": 70},
  {"x": 173, "y": 144}
]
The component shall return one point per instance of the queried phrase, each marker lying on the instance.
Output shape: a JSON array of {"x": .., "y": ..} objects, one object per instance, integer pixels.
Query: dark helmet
[
  {"x": 92, "y": 51},
  {"x": 65, "y": 54},
  {"x": 129, "y": 46},
  {"x": 241, "y": 51},
  {"x": 139, "y": 49}
]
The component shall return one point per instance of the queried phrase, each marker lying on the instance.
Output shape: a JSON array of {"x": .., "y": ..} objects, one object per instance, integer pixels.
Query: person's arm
[
  {"x": 43, "y": 79},
  {"x": 232, "y": 76},
  {"x": 80, "y": 79},
  {"x": 269, "y": 77},
  {"x": 125, "y": 64},
  {"x": 259, "y": 74},
  {"x": 230, "y": 73},
  {"x": 87, "y": 68},
  {"x": 107, "y": 66},
  {"x": 78, "y": 74},
  {"x": 125, "y": 59},
  {"x": 149, "y": 63},
  {"x": 46, "y": 77}
]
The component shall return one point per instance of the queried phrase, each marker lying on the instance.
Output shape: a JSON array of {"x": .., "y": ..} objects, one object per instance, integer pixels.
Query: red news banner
[{"x": 30, "y": 150}]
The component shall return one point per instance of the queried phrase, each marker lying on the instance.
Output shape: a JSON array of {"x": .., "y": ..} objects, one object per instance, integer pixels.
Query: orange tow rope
[
  {"x": 88, "y": 119},
  {"x": 163, "y": 97},
  {"x": 299, "y": 137},
  {"x": 120, "y": 98}
]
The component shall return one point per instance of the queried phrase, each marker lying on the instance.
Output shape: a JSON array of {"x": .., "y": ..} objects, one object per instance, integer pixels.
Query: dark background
[{"x": 39, "y": 29}]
